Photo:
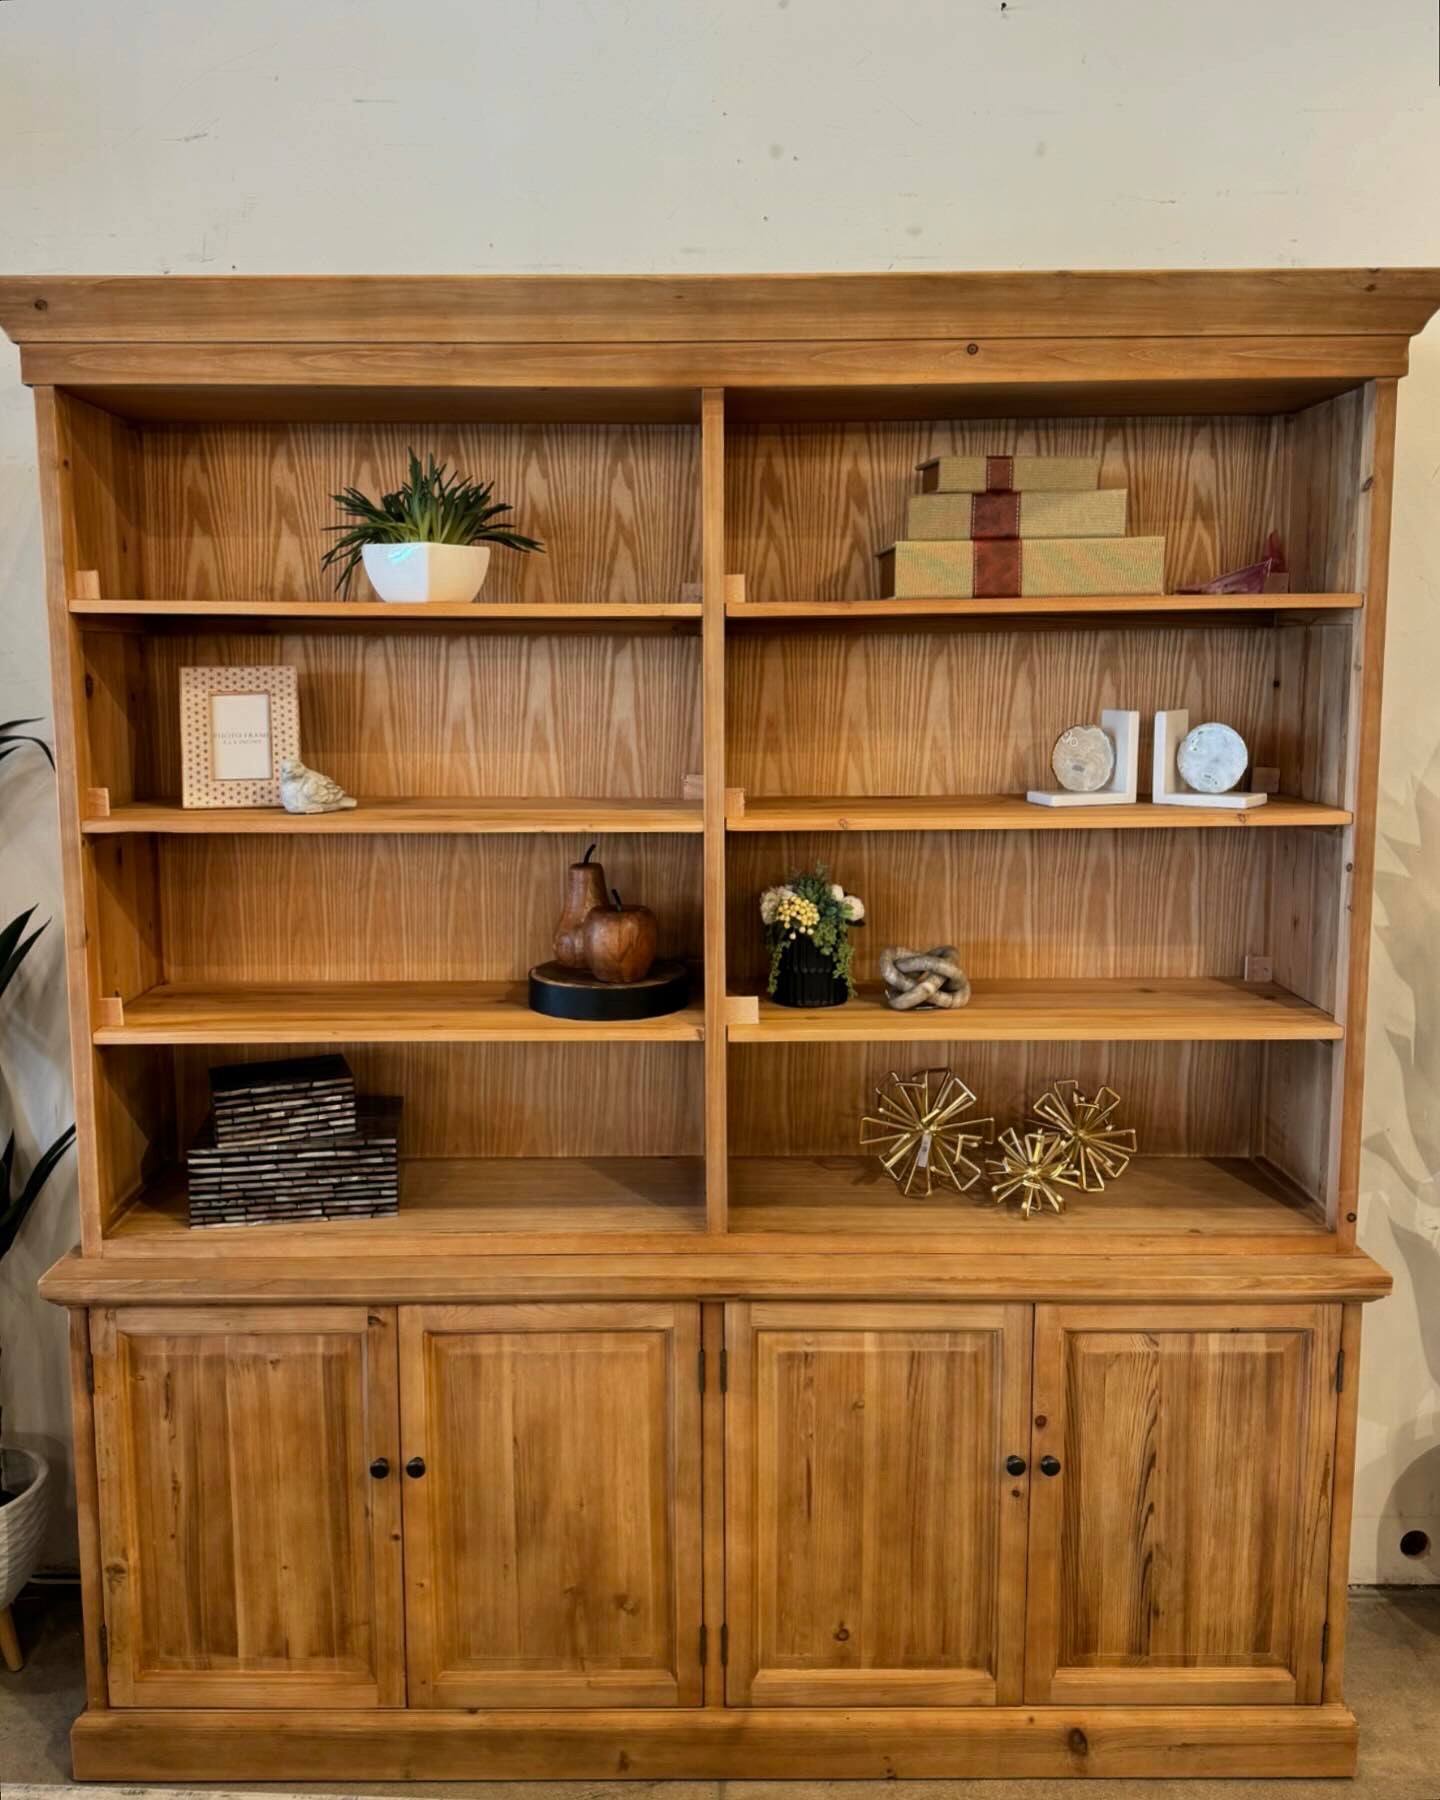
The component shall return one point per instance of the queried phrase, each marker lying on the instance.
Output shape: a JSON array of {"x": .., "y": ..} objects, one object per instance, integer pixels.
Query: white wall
[{"x": 352, "y": 136}]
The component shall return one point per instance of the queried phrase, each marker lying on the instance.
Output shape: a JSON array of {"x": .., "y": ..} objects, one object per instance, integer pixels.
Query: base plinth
[{"x": 719, "y": 1743}]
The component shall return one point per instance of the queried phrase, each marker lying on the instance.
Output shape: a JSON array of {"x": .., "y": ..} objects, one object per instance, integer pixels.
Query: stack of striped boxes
[
  {"x": 987, "y": 527},
  {"x": 288, "y": 1141}
]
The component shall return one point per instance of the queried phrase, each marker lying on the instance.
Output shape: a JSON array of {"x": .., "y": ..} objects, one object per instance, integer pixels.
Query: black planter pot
[{"x": 807, "y": 977}]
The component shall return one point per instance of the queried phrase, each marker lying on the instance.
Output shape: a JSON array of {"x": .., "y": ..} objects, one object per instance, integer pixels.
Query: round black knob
[
  {"x": 1014, "y": 1465},
  {"x": 1049, "y": 1465},
  {"x": 380, "y": 1468},
  {"x": 415, "y": 1468}
]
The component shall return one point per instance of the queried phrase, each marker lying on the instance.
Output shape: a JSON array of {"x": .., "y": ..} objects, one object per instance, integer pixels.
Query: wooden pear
[{"x": 584, "y": 891}]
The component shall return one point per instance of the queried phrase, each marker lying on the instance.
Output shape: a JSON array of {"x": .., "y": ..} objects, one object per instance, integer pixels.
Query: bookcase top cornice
[{"x": 696, "y": 309}]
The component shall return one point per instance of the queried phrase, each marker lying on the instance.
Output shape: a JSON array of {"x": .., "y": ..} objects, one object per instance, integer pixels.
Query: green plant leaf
[
  {"x": 11, "y": 739},
  {"x": 433, "y": 506},
  {"x": 13, "y": 1210},
  {"x": 14, "y": 945}
]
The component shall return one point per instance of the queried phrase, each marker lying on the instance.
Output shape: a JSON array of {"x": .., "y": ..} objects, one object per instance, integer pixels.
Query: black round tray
[{"x": 564, "y": 993}]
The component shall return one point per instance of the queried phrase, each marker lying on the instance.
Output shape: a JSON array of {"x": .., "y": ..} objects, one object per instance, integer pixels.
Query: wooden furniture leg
[{"x": 10, "y": 1642}]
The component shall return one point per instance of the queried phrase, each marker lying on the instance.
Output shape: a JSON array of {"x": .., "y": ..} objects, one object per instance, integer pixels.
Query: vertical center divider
[{"x": 712, "y": 688}]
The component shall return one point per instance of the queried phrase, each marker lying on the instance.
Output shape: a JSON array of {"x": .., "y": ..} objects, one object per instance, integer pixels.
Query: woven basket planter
[
  {"x": 22, "y": 1520},
  {"x": 807, "y": 978}
]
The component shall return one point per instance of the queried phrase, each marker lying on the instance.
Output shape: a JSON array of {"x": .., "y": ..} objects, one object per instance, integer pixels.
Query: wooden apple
[
  {"x": 620, "y": 941},
  {"x": 584, "y": 891}
]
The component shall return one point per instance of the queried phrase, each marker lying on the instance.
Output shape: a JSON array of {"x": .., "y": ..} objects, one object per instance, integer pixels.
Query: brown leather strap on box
[
  {"x": 999, "y": 473},
  {"x": 997, "y": 568},
  {"x": 994, "y": 516}
]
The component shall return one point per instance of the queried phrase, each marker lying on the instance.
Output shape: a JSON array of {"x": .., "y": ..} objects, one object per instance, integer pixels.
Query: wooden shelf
[
  {"x": 453, "y": 1198},
  {"x": 371, "y": 1012},
  {"x": 1176, "y": 609},
  {"x": 376, "y": 615},
  {"x": 1050, "y": 1012},
  {"x": 1007, "y": 812},
  {"x": 373, "y": 818},
  {"x": 1163, "y": 1204},
  {"x": 1173, "y": 1203},
  {"x": 541, "y": 815}
]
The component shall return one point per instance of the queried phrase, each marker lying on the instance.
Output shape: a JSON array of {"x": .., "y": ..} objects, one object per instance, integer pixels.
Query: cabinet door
[
  {"x": 1179, "y": 1547},
  {"x": 875, "y": 1541},
  {"x": 250, "y": 1557},
  {"x": 552, "y": 1544}
]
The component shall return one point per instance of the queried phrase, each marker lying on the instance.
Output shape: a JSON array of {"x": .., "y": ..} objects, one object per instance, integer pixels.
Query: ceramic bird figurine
[{"x": 305, "y": 790}]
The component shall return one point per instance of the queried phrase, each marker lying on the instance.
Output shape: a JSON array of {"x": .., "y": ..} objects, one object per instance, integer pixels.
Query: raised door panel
[
  {"x": 552, "y": 1544},
  {"x": 1180, "y": 1514},
  {"x": 875, "y": 1540},
  {"x": 250, "y": 1556}
]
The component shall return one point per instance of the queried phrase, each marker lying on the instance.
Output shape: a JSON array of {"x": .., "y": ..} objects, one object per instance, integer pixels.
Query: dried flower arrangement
[{"x": 811, "y": 911}]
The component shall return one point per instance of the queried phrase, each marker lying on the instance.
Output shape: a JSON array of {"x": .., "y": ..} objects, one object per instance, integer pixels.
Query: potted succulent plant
[
  {"x": 24, "y": 1476},
  {"x": 429, "y": 540},
  {"x": 807, "y": 922}
]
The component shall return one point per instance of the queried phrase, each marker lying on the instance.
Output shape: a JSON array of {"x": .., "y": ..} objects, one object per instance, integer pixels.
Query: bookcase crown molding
[
  {"x": 698, "y": 309},
  {"x": 784, "y": 346}
]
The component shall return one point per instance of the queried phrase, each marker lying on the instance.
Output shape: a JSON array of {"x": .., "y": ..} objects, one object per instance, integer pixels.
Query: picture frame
[{"x": 237, "y": 726}]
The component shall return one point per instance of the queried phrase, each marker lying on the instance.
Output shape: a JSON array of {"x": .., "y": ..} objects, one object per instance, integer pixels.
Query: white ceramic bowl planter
[
  {"x": 22, "y": 1521},
  {"x": 413, "y": 574}
]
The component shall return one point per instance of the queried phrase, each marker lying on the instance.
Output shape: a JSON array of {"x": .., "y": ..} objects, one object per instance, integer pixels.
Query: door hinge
[
  {"x": 704, "y": 1643},
  {"x": 1325, "y": 1643},
  {"x": 724, "y": 1646},
  {"x": 1339, "y": 1371},
  {"x": 104, "y": 1646},
  {"x": 724, "y": 1371},
  {"x": 701, "y": 1361}
]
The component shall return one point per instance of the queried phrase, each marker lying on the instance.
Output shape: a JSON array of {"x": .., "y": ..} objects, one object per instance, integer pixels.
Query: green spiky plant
[
  {"x": 11, "y": 739},
  {"x": 432, "y": 507},
  {"x": 16, "y": 942}
]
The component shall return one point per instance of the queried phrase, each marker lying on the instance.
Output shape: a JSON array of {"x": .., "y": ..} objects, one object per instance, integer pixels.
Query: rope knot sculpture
[{"x": 923, "y": 978}]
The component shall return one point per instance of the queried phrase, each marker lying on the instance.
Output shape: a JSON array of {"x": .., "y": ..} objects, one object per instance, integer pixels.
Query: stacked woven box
[
  {"x": 289, "y": 1141},
  {"x": 985, "y": 527}
]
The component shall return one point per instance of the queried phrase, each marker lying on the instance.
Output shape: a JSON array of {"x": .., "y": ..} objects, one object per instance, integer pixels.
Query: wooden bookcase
[{"x": 658, "y": 1434}]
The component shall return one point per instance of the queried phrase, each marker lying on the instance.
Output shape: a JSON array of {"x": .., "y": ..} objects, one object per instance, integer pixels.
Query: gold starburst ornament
[
  {"x": 922, "y": 1132},
  {"x": 1034, "y": 1169},
  {"x": 1098, "y": 1150}
]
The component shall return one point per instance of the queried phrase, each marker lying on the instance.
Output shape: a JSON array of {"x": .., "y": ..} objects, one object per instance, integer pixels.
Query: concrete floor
[{"x": 1393, "y": 1683}]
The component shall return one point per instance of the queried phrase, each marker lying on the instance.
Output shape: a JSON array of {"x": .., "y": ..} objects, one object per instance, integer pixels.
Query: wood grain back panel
[
  {"x": 451, "y": 713},
  {"x": 241, "y": 511},
  {"x": 875, "y": 1537},
  {"x": 250, "y": 1558},
  {"x": 1180, "y": 1550},
  {"x": 507, "y": 1099},
  {"x": 514, "y": 1101},
  {"x": 553, "y": 1541},
  {"x": 1184, "y": 1099},
  {"x": 1028, "y": 905},
  {"x": 400, "y": 908},
  {"x": 943, "y": 712},
  {"x": 808, "y": 506}
]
